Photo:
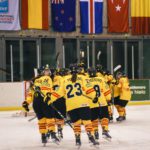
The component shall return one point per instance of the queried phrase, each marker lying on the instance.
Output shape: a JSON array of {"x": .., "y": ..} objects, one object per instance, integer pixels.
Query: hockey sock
[
  {"x": 77, "y": 127},
  {"x": 104, "y": 123},
  {"x": 50, "y": 124},
  {"x": 88, "y": 126},
  {"x": 95, "y": 125},
  {"x": 121, "y": 111},
  {"x": 60, "y": 122},
  {"x": 42, "y": 126}
]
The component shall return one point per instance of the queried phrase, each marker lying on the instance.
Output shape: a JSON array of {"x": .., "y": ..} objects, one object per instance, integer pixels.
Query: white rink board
[
  {"x": 11, "y": 94},
  {"x": 16, "y": 133}
]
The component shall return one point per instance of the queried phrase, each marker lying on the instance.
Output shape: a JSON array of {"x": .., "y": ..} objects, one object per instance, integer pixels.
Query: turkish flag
[{"x": 118, "y": 16}]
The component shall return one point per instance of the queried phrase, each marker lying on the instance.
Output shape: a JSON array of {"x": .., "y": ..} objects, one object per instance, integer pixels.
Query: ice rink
[{"x": 16, "y": 133}]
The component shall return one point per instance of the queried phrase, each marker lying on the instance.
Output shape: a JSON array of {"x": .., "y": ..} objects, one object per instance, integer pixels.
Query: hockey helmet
[
  {"x": 92, "y": 72},
  {"x": 99, "y": 68},
  {"x": 73, "y": 68}
]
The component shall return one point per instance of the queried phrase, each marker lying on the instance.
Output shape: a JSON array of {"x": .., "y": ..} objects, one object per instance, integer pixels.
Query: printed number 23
[{"x": 70, "y": 88}]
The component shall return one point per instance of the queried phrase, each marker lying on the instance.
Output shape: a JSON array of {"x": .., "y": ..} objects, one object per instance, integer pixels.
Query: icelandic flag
[
  {"x": 63, "y": 15},
  {"x": 91, "y": 12}
]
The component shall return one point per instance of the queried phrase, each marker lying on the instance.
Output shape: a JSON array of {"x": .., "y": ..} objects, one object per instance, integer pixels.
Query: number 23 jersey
[{"x": 74, "y": 92}]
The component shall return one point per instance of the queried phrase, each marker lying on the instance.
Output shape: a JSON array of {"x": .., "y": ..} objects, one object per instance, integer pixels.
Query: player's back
[{"x": 73, "y": 92}]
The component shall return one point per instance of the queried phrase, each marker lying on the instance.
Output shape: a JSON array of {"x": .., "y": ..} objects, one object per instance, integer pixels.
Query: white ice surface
[{"x": 16, "y": 133}]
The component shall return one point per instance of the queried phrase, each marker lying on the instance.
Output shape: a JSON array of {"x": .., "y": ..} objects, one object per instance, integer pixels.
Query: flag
[
  {"x": 35, "y": 14},
  {"x": 9, "y": 15},
  {"x": 118, "y": 16},
  {"x": 63, "y": 15},
  {"x": 140, "y": 16},
  {"x": 91, "y": 13}
]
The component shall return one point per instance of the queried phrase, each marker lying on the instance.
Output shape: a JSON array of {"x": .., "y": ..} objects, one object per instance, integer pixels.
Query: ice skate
[
  {"x": 78, "y": 141},
  {"x": 54, "y": 138},
  {"x": 96, "y": 134},
  {"x": 60, "y": 133},
  {"x": 106, "y": 135},
  {"x": 44, "y": 139},
  {"x": 121, "y": 118},
  {"x": 93, "y": 141},
  {"x": 48, "y": 134},
  {"x": 111, "y": 119}
]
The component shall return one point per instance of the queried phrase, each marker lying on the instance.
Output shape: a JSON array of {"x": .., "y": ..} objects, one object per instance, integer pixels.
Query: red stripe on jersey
[
  {"x": 45, "y": 88},
  {"x": 55, "y": 94},
  {"x": 90, "y": 91},
  {"x": 108, "y": 92}
]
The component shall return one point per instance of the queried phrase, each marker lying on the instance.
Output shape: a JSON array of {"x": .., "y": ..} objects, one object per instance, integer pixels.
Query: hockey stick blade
[
  {"x": 98, "y": 55},
  {"x": 32, "y": 119},
  {"x": 117, "y": 68}
]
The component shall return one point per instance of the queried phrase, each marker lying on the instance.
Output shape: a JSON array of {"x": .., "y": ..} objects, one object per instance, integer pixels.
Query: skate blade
[
  {"x": 111, "y": 121},
  {"x": 56, "y": 142},
  {"x": 78, "y": 146},
  {"x": 60, "y": 138},
  {"x": 95, "y": 146},
  {"x": 107, "y": 138}
]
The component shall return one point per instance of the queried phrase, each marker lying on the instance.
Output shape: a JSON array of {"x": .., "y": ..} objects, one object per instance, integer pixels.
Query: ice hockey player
[
  {"x": 82, "y": 69},
  {"x": 99, "y": 70},
  {"x": 108, "y": 78},
  {"x": 125, "y": 95},
  {"x": 103, "y": 93},
  {"x": 60, "y": 104},
  {"x": 39, "y": 93},
  {"x": 75, "y": 87}
]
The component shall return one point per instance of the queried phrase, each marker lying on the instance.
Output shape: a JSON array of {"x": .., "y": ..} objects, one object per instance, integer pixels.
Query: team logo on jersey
[{"x": 4, "y": 6}]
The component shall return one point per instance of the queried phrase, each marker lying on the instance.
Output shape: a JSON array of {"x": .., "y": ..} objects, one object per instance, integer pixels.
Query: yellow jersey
[
  {"x": 45, "y": 85},
  {"x": 102, "y": 90},
  {"x": 123, "y": 85},
  {"x": 74, "y": 92}
]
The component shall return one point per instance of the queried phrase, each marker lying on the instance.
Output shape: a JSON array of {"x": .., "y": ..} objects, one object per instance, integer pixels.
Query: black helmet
[
  {"x": 92, "y": 72},
  {"x": 119, "y": 74},
  {"x": 99, "y": 68},
  {"x": 40, "y": 70},
  {"x": 81, "y": 65},
  {"x": 107, "y": 72},
  {"x": 73, "y": 68},
  {"x": 53, "y": 71}
]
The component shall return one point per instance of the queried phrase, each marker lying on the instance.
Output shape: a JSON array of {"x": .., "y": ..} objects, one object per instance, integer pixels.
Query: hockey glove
[
  {"x": 25, "y": 105},
  {"x": 47, "y": 98},
  {"x": 109, "y": 102},
  {"x": 37, "y": 89},
  {"x": 95, "y": 100}
]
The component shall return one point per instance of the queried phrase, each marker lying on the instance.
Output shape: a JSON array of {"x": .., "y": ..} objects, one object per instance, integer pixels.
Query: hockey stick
[
  {"x": 57, "y": 61},
  {"x": 60, "y": 114},
  {"x": 32, "y": 118},
  {"x": 53, "y": 108},
  {"x": 117, "y": 68},
  {"x": 98, "y": 55}
]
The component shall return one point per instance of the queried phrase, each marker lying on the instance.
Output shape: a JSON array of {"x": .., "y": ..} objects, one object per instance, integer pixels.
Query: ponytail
[
  {"x": 52, "y": 77},
  {"x": 74, "y": 77}
]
